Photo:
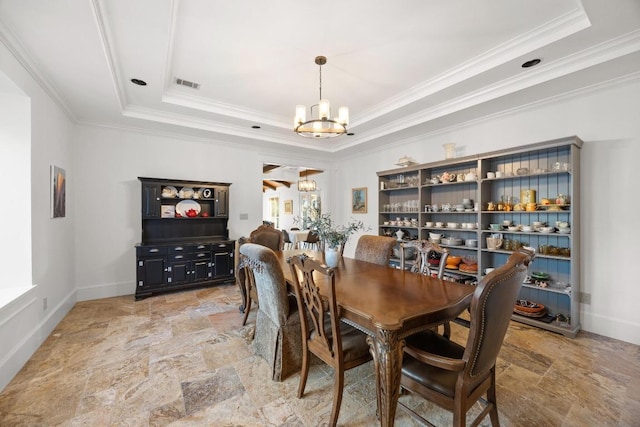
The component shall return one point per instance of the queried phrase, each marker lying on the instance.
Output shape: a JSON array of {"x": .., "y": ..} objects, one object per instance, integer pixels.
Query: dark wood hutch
[{"x": 185, "y": 237}]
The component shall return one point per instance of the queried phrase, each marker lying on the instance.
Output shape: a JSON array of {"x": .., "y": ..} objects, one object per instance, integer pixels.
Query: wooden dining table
[{"x": 388, "y": 305}]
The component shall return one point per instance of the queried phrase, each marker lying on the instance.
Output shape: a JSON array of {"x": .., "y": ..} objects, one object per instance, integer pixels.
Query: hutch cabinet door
[
  {"x": 222, "y": 202},
  {"x": 179, "y": 272},
  {"x": 151, "y": 200},
  {"x": 201, "y": 270},
  {"x": 151, "y": 272},
  {"x": 222, "y": 264}
]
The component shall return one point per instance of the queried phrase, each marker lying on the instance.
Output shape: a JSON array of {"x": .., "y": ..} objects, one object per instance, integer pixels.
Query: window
[{"x": 274, "y": 211}]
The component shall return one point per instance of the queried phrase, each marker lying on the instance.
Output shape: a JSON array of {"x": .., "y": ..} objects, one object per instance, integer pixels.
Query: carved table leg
[{"x": 386, "y": 350}]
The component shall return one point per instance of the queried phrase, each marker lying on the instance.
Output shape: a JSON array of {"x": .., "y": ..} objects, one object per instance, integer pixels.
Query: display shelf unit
[
  {"x": 550, "y": 169},
  {"x": 178, "y": 251}
]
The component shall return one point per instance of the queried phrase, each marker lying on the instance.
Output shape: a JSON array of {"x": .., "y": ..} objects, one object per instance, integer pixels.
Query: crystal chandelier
[
  {"x": 306, "y": 185},
  {"x": 322, "y": 126}
]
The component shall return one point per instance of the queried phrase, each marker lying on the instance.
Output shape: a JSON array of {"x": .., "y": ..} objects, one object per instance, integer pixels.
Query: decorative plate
[{"x": 184, "y": 207}]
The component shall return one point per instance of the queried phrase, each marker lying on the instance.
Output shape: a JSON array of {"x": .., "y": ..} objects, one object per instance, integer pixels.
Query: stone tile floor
[{"x": 184, "y": 359}]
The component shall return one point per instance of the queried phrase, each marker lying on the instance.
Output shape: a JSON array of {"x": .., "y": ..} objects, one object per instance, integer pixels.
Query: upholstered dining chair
[
  {"x": 244, "y": 281},
  {"x": 268, "y": 236},
  {"x": 375, "y": 249},
  {"x": 337, "y": 344},
  {"x": 277, "y": 337},
  {"x": 456, "y": 377}
]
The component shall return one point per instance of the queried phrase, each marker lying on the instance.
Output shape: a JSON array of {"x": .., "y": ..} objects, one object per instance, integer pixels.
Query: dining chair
[
  {"x": 375, "y": 249},
  {"x": 286, "y": 240},
  {"x": 323, "y": 334},
  {"x": 312, "y": 241},
  {"x": 244, "y": 281},
  {"x": 456, "y": 377},
  {"x": 268, "y": 236},
  {"x": 431, "y": 258},
  {"x": 277, "y": 336}
]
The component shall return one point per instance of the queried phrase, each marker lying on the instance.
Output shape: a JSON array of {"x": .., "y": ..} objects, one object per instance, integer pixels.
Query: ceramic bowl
[
  {"x": 495, "y": 227},
  {"x": 547, "y": 229},
  {"x": 527, "y": 228}
]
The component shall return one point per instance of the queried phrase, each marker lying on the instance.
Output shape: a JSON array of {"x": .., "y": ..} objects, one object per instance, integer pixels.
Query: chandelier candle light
[
  {"x": 322, "y": 126},
  {"x": 306, "y": 185}
]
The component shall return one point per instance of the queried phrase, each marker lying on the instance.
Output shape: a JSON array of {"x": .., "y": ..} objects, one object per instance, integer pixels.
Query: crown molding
[
  {"x": 26, "y": 61},
  {"x": 607, "y": 51},
  {"x": 109, "y": 55},
  {"x": 176, "y": 97},
  {"x": 556, "y": 29}
]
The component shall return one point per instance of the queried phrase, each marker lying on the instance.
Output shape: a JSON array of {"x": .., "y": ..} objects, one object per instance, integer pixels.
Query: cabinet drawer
[
  {"x": 190, "y": 256},
  {"x": 151, "y": 250},
  {"x": 181, "y": 249},
  {"x": 222, "y": 246}
]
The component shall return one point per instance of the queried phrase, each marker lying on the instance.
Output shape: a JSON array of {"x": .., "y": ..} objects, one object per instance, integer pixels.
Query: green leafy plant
[{"x": 330, "y": 234}]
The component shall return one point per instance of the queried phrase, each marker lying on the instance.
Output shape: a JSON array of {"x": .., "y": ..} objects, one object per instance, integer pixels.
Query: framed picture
[
  {"x": 359, "y": 200},
  {"x": 58, "y": 192},
  {"x": 288, "y": 207}
]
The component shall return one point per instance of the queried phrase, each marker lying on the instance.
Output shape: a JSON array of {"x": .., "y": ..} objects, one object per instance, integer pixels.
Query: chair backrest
[
  {"x": 322, "y": 342},
  {"x": 268, "y": 236},
  {"x": 285, "y": 237},
  {"x": 424, "y": 262},
  {"x": 375, "y": 249},
  {"x": 491, "y": 309},
  {"x": 313, "y": 237},
  {"x": 269, "y": 281}
]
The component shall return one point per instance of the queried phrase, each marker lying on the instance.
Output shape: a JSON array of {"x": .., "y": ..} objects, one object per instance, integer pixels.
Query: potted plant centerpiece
[{"x": 332, "y": 236}]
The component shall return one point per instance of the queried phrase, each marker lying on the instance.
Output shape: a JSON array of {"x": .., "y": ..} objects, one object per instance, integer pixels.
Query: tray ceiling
[{"x": 403, "y": 68}]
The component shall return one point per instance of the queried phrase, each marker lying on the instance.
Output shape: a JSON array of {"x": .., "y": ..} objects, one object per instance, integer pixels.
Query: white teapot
[
  {"x": 471, "y": 176},
  {"x": 399, "y": 234}
]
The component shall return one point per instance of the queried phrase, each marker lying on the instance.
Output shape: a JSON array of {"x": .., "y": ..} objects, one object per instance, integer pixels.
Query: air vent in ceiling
[{"x": 187, "y": 83}]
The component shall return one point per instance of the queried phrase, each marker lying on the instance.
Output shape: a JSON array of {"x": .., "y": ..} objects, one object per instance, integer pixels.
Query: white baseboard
[
  {"x": 108, "y": 290},
  {"x": 21, "y": 338},
  {"x": 611, "y": 327}
]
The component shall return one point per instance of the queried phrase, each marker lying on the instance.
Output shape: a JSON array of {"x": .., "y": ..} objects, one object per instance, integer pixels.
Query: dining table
[
  {"x": 297, "y": 237},
  {"x": 388, "y": 305}
]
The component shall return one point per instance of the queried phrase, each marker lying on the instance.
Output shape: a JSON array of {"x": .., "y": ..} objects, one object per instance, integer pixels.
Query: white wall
[
  {"x": 25, "y": 324},
  {"x": 608, "y": 121}
]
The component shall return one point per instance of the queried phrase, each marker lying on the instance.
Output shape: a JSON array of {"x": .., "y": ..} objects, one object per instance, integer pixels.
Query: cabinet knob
[{"x": 154, "y": 250}]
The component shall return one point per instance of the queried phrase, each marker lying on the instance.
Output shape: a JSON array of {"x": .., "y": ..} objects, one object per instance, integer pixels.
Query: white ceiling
[{"x": 404, "y": 68}]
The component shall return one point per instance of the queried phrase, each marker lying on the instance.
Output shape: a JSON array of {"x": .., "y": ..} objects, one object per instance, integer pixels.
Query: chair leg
[
  {"x": 247, "y": 309},
  {"x": 447, "y": 330},
  {"x": 459, "y": 413},
  {"x": 338, "y": 387},
  {"x": 304, "y": 372},
  {"x": 491, "y": 400}
]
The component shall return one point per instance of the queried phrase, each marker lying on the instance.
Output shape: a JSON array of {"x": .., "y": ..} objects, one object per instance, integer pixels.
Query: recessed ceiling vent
[{"x": 187, "y": 83}]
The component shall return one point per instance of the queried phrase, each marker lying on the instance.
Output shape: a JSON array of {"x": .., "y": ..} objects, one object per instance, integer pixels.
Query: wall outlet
[
  {"x": 585, "y": 298},
  {"x": 244, "y": 216},
  {"x": 44, "y": 304}
]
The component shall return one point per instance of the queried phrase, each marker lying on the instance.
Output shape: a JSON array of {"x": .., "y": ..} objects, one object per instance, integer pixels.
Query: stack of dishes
[
  {"x": 529, "y": 308},
  {"x": 169, "y": 192}
]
